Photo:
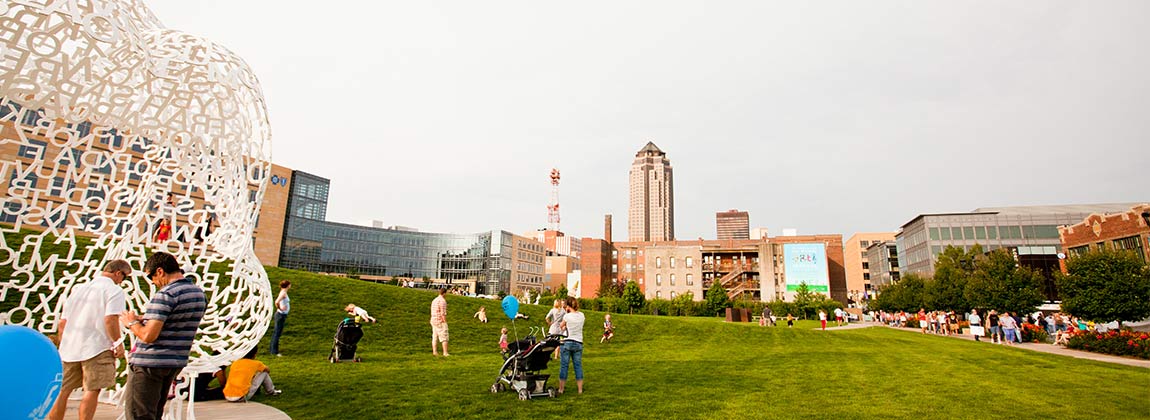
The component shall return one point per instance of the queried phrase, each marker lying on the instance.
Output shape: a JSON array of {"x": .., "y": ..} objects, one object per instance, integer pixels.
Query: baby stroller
[
  {"x": 347, "y": 335},
  {"x": 520, "y": 371}
]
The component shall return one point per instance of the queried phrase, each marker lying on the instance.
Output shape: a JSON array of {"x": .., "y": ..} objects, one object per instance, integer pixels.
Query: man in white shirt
[{"x": 90, "y": 338}]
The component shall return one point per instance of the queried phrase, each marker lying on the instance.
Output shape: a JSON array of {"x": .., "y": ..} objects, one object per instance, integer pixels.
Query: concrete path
[
  {"x": 1040, "y": 347},
  {"x": 211, "y": 410}
]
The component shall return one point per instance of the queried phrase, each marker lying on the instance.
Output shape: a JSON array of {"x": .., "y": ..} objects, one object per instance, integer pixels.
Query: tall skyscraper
[
  {"x": 651, "y": 216},
  {"x": 733, "y": 224}
]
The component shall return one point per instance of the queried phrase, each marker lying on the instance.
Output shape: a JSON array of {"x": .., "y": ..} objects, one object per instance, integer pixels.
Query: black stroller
[
  {"x": 347, "y": 336},
  {"x": 520, "y": 371}
]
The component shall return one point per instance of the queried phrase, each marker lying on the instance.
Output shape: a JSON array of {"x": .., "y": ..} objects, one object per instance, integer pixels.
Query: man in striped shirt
[
  {"x": 164, "y": 336},
  {"x": 439, "y": 323}
]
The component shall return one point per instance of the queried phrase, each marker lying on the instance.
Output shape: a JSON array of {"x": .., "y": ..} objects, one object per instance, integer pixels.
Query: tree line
[{"x": 1102, "y": 286}]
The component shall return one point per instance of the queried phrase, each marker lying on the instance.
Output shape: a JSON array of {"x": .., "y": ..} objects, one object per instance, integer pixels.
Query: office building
[
  {"x": 1128, "y": 230},
  {"x": 651, "y": 214},
  {"x": 1030, "y": 233},
  {"x": 856, "y": 263},
  {"x": 882, "y": 266},
  {"x": 732, "y": 224}
]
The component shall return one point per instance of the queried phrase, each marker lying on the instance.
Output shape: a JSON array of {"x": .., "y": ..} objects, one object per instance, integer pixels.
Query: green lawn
[{"x": 673, "y": 368}]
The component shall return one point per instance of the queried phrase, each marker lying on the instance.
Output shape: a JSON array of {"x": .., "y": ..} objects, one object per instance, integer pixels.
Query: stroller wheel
[
  {"x": 357, "y": 360},
  {"x": 551, "y": 392},
  {"x": 496, "y": 387},
  {"x": 331, "y": 359},
  {"x": 524, "y": 395}
]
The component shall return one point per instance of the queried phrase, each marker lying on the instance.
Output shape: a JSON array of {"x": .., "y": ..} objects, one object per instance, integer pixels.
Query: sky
[{"x": 827, "y": 117}]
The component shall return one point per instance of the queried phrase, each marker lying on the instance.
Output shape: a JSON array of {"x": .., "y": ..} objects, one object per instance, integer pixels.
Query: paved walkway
[
  {"x": 210, "y": 410},
  {"x": 1040, "y": 347}
]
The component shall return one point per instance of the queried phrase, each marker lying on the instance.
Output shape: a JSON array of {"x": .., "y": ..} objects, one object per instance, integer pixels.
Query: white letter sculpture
[{"x": 107, "y": 113}]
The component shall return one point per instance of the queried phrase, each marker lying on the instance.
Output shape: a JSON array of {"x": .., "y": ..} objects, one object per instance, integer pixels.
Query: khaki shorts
[
  {"x": 94, "y": 374},
  {"x": 440, "y": 331}
]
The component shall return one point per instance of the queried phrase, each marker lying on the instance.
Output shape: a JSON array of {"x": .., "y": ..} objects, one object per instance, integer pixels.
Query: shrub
[
  {"x": 1124, "y": 343},
  {"x": 1034, "y": 334}
]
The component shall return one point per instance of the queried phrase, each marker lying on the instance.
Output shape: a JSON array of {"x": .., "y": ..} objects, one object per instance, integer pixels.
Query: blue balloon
[
  {"x": 32, "y": 372},
  {"x": 511, "y": 306}
]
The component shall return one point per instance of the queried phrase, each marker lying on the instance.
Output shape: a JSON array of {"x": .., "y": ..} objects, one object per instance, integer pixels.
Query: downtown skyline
[{"x": 836, "y": 119}]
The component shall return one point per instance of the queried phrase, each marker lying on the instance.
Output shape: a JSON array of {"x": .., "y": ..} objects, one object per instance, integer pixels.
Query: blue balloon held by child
[
  {"x": 32, "y": 372},
  {"x": 510, "y": 306}
]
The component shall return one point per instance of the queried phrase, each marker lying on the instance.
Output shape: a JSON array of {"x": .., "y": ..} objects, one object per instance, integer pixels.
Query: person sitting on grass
[
  {"x": 608, "y": 329},
  {"x": 359, "y": 313},
  {"x": 246, "y": 377},
  {"x": 482, "y": 314}
]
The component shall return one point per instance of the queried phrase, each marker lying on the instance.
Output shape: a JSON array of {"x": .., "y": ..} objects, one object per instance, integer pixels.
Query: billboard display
[{"x": 806, "y": 263}]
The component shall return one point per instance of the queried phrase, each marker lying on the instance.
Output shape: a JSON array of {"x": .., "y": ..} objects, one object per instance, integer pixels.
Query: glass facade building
[
  {"x": 1029, "y": 233},
  {"x": 314, "y": 244}
]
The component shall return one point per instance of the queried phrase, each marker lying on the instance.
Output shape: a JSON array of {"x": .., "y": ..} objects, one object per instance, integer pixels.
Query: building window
[
  {"x": 672, "y": 262},
  {"x": 866, "y": 265},
  {"x": 980, "y": 232},
  {"x": 614, "y": 268},
  {"x": 956, "y": 232},
  {"x": 968, "y": 232},
  {"x": 658, "y": 262},
  {"x": 672, "y": 279},
  {"x": 33, "y": 150},
  {"x": 992, "y": 232},
  {"x": 690, "y": 262},
  {"x": 944, "y": 234},
  {"x": 672, "y": 295},
  {"x": 690, "y": 280},
  {"x": 658, "y": 294},
  {"x": 1133, "y": 243},
  {"x": 934, "y": 234},
  {"x": 658, "y": 279}
]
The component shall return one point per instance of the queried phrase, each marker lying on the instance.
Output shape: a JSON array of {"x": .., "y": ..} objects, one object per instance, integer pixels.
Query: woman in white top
[
  {"x": 283, "y": 306},
  {"x": 572, "y": 349},
  {"x": 554, "y": 317}
]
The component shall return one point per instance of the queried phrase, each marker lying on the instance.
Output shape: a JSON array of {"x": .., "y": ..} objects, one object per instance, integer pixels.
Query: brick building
[{"x": 1129, "y": 230}]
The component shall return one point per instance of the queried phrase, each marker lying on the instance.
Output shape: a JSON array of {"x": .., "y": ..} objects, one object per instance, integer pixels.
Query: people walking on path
[
  {"x": 976, "y": 325},
  {"x": 283, "y": 306},
  {"x": 823, "y": 319},
  {"x": 1009, "y": 327},
  {"x": 439, "y": 323},
  {"x": 90, "y": 340},
  {"x": 164, "y": 336},
  {"x": 992, "y": 321}
]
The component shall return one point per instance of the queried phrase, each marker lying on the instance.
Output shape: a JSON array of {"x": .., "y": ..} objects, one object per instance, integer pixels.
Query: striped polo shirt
[{"x": 180, "y": 306}]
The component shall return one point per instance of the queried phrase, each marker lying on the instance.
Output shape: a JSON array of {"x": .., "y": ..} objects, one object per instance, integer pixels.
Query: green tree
[
  {"x": 805, "y": 300},
  {"x": 633, "y": 297},
  {"x": 608, "y": 289},
  {"x": 998, "y": 282},
  {"x": 717, "y": 300},
  {"x": 684, "y": 304},
  {"x": 909, "y": 294},
  {"x": 1104, "y": 286},
  {"x": 562, "y": 293},
  {"x": 952, "y": 272}
]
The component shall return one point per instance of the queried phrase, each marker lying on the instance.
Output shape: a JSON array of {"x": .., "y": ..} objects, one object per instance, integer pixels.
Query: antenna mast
[{"x": 553, "y": 207}]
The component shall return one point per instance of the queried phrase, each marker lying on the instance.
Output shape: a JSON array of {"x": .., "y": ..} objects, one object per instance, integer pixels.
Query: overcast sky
[{"x": 828, "y": 117}]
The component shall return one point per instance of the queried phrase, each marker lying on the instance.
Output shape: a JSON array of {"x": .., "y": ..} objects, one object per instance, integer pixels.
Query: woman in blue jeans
[
  {"x": 572, "y": 349},
  {"x": 283, "y": 306}
]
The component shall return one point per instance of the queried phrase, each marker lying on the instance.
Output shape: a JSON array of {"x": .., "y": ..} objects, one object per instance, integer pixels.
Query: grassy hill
[{"x": 671, "y": 368}]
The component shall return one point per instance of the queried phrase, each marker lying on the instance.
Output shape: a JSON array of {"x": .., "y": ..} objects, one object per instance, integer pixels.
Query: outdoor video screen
[{"x": 806, "y": 263}]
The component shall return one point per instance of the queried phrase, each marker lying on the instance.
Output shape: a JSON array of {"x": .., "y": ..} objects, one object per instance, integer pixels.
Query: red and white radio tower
[{"x": 553, "y": 207}]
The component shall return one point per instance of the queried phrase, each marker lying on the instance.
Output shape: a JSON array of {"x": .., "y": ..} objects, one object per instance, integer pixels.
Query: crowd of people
[{"x": 1000, "y": 327}]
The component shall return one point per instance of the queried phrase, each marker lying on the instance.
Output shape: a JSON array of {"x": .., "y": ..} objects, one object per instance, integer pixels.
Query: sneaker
[
  {"x": 279, "y": 355},
  {"x": 276, "y": 392}
]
